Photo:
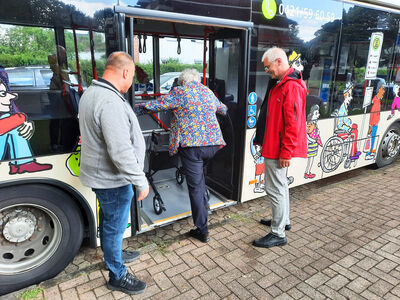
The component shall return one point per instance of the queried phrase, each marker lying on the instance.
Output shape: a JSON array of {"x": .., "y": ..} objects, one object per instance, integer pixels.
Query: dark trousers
[{"x": 194, "y": 160}]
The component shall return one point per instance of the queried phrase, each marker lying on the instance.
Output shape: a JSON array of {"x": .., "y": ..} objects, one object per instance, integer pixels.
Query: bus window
[
  {"x": 84, "y": 54},
  {"x": 359, "y": 23},
  {"x": 310, "y": 42},
  {"x": 37, "y": 70},
  {"x": 171, "y": 64}
]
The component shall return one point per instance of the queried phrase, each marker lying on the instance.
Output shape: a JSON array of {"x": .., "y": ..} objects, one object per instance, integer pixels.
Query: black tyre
[
  {"x": 157, "y": 204},
  {"x": 179, "y": 176},
  {"x": 332, "y": 154},
  {"x": 41, "y": 230},
  {"x": 389, "y": 149}
]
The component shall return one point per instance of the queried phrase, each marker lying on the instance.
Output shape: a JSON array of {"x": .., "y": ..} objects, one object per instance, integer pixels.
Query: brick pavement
[{"x": 344, "y": 244}]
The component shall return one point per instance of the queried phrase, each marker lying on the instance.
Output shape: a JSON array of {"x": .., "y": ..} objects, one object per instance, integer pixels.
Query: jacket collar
[
  {"x": 108, "y": 87},
  {"x": 291, "y": 74}
]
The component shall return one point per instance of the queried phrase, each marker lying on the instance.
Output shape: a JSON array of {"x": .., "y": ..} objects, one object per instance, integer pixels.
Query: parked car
[
  {"x": 35, "y": 98},
  {"x": 37, "y": 77}
]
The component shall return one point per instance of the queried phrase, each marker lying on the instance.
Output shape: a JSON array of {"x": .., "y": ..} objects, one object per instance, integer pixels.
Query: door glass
[{"x": 227, "y": 57}]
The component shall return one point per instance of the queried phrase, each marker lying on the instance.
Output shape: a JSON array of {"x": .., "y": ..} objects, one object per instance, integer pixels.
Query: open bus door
[
  {"x": 225, "y": 42},
  {"x": 228, "y": 80}
]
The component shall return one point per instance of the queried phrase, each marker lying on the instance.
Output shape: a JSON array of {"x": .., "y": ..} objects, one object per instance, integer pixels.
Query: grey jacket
[{"x": 113, "y": 147}]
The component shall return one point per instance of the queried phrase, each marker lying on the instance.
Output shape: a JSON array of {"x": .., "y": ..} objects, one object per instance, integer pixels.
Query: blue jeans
[{"x": 115, "y": 205}]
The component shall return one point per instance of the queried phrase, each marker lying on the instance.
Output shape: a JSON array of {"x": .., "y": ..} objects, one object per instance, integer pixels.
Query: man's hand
[
  {"x": 284, "y": 163},
  {"x": 143, "y": 194}
]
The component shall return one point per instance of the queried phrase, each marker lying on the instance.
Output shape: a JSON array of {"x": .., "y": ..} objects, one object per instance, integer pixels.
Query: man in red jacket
[{"x": 281, "y": 131}]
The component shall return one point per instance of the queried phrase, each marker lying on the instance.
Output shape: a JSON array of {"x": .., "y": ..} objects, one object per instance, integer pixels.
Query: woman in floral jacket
[{"x": 195, "y": 134}]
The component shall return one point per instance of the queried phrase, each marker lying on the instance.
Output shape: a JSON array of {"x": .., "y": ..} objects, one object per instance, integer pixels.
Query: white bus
[{"x": 50, "y": 50}]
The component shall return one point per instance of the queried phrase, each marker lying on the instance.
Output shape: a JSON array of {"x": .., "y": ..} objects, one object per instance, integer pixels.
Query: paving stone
[
  {"x": 220, "y": 288},
  {"x": 317, "y": 280},
  {"x": 92, "y": 284},
  {"x": 200, "y": 285},
  {"x": 52, "y": 293},
  {"x": 337, "y": 282},
  {"x": 162, "y": 281},
  {"x": 359, "y": 285},
  {"x": 238, "y": 289},
  {"x": 380, "y": 287},
  {"x": 69, "y": 294}
]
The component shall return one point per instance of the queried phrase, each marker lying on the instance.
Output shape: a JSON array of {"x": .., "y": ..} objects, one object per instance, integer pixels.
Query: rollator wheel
[
  {"x": 158, "y": 205},
  {"x": 179, "y": 176},
  {"x": 347, "y": 163}
]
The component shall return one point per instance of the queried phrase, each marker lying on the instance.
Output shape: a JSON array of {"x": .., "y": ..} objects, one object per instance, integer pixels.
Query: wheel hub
[
  {"x": 392, "y": 144},
  {"x": 19, "y": 226}
]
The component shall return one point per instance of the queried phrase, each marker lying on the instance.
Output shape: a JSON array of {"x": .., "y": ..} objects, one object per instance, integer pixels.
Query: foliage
[
  {"x": 27, "y": 46},
  {"x": 169, "y": 65},
  {"x": 23, "y": 46},
  {"x": 31, "y": 294}
]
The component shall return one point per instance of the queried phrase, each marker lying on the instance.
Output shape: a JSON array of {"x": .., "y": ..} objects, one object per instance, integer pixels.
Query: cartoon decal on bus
[
  {"x": 313, "y": 139},
  {"x": 15, "y": 132},
  {"x": 74, "y": 160},
  {"x": 342, "y": 146},
  {"x": 396, "y": 100},
  {"x": 374, "y": 119},
  {"x": 260, "y": 167},
  {"x": 295, "y": 61}
]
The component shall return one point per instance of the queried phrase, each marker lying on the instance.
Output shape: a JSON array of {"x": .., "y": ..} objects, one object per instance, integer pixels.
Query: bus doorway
[{"x": 161, "y": 50}]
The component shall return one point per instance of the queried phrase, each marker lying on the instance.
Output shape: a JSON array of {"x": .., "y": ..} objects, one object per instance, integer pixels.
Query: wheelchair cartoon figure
[{"x": 342, "y": 146}]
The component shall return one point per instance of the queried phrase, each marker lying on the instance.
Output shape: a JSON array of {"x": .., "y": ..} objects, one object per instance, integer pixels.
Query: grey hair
[
  {"x": 189, "y": 75},
  {"x": 273, "y": 53}
]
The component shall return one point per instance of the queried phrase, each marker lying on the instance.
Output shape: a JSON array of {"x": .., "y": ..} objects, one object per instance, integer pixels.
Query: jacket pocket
[{"x": 280, "y": 140}]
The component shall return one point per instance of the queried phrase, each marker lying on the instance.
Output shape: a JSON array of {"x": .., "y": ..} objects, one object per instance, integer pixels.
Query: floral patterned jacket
[{"x": 194, "y": 123}]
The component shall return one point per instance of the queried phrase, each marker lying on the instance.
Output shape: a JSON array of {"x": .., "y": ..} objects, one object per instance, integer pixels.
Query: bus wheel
[
  {"x": 41, "y": 230},
  {"x": 389, "y": 148}
]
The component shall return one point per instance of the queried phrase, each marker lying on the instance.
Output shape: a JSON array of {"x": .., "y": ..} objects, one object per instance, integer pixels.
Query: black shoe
[
  {"x": 130, "y": 256},
  {"x": 202, "y": 237},
  {"x": 267, "y": 222},
  {"x": 128, "y": 284},
  {"x": 270, "y": 240}
]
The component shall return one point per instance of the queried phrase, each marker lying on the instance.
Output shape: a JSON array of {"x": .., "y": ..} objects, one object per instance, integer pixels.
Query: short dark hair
[{"x": 118, "y": 60}]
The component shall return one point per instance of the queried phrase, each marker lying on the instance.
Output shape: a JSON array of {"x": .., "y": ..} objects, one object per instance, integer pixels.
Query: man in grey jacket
[{"x": 112, "y": 160}]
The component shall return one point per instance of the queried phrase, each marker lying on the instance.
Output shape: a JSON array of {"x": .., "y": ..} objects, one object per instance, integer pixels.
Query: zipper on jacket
[{"x": 295, "y": 112}]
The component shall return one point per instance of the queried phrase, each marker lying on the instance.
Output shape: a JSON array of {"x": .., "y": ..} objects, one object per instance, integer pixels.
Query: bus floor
[{"x": 176, "y": 200}]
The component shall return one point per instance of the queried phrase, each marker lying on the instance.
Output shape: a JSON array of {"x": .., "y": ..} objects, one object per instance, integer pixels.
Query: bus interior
[{"x": 218, "y": 51}]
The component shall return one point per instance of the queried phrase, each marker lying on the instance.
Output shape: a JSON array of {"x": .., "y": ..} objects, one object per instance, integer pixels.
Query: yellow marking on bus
[{"x": 169, "y": 218}]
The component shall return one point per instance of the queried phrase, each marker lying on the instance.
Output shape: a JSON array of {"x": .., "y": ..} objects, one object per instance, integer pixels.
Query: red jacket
[{"x": 285, "y": 126}]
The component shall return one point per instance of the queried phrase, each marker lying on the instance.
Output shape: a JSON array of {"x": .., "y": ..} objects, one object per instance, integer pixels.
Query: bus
[{"x": 347, "y": 50}]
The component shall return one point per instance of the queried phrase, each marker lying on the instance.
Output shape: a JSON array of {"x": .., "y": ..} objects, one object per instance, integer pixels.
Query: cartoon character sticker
[
  {"x": 73, "y": 161},
  {"x": 260, "y": 167},
  {"x": 396, "y": 100},
  {"x": 374, "y": 120},
  {"x": 347, "y": 128},
  {"x": 313, "y": 139},
  {"x": 342, "y": 146},
  {"x": 295, "y": 61},
  {"x": 15, "y": 132}
]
